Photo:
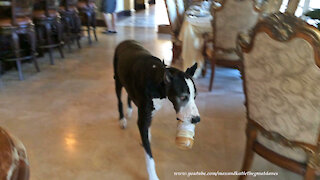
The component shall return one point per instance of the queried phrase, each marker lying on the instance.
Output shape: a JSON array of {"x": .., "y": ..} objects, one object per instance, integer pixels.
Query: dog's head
[{"x": 182, "y": 92}]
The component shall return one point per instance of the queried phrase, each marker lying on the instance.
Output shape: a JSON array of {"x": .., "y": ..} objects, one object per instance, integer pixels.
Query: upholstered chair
[
  {"x": 13, "y": 158},
  {"x": 175, "y": 24},
  {"x": 281, "y": 75},
  {"x": 229, "y": 18}
]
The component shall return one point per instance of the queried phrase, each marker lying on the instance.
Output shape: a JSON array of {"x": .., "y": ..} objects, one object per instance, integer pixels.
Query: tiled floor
[{"x": 66, "y": 115}]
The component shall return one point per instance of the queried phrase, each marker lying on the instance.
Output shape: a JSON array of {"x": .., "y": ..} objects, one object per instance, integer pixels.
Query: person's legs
[
  {"x": 110, "y": 23},
  {"x": 106, "y": 20},
  {"x": 113, "y": 21}
]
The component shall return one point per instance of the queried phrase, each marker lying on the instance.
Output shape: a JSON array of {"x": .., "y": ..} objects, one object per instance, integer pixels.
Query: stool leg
[
  {"x": 48, "y": 30},
  {"x": 68, "y": 30},
  {"x": 78, "y": 29},
  {"x": 19, "y": 69},
  {"x": 16, "y": 49},
  {"x": 94, "y": 25},
  {"x": 60, "y": 31},
  {"x": 32, "y": 40},
  {"x": 88, "y": 26},
  {"x": 40, "y": 37}
]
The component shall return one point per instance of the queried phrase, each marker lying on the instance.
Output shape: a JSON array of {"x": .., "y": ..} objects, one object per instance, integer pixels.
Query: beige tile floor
[{"x": 66, "y": 115}]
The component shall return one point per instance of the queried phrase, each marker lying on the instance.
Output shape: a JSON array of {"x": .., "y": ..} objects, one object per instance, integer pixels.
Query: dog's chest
[{"x": 157, "y": 104}]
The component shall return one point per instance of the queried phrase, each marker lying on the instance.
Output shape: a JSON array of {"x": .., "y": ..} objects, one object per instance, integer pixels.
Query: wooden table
[{"x": 191, "y": 35}]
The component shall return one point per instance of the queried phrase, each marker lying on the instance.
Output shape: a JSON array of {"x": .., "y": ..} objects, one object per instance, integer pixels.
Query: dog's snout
[{"x": 195, "y": 120}]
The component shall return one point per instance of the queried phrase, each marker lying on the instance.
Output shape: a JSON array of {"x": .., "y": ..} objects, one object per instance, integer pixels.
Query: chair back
[
  {"x": 181, "y": 9},
  {"x": 16, "y": 9},
  {"x": 292, "y": 6},
  {"x": 5, "y": 9},
  {"x": 172, "y": 11},
  {"x": 22, "y": 8},
  {"x": 46, "y": 5},
  {"x": 230, "y": 18},
  {"x": 88, "y": 1},
  {"x": 281, "y": 74},
  {"x": 68, "y": 4},
  {"x": 270, "y": 6}
]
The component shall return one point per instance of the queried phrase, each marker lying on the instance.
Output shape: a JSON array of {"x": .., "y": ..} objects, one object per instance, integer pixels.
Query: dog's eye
[{"x": 183, "y": 98}]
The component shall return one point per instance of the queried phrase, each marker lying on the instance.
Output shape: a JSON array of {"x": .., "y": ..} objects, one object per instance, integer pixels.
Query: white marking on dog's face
[
  {"x": 189, "y": 110},
  {"x": 157, "y": 104},
  {"x": 151, "y": 168}
]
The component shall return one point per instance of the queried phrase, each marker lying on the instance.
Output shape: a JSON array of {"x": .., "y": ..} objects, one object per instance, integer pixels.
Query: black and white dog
[{"x": 148, "y": 83}]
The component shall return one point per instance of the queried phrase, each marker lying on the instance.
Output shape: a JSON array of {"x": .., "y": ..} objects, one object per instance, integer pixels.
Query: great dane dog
[{"x": 148, "y": 83}]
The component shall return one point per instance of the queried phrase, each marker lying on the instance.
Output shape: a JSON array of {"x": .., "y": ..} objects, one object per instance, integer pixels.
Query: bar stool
[
  {"x": 48, "y": 26},
  {"x": 71, "y": 21},
  {"x": 15, "y": 23},
  {"x": 88, "y": 16}
]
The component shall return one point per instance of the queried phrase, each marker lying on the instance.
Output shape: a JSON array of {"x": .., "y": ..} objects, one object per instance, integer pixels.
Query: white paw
[
  {"x": 153, "y": 177},
  {"x": 123, "y": 123},
  {"x": 129, "y": 112}
]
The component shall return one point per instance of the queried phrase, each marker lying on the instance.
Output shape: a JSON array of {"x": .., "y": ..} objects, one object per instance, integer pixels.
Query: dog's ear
[
  {"x": 167, "y": 76},
  {"x": 191, "y": 70}
]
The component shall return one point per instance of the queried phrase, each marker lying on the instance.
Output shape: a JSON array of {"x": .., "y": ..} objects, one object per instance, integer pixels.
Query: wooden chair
[
  {"x": 88, "y": 16},
  {"x": 180, "y": 10},
  {"x": 71, "y": 22},
  {"x": 292, "y": 6},
  {"x": 13, "y": 158},
  {"x": 48, "y": 26},
  {"x": 16, "y": 23},
  {"x": 280, "y": 68},
  {"x": 175, "y": 24},
  {"x": 230, "y": 18}
]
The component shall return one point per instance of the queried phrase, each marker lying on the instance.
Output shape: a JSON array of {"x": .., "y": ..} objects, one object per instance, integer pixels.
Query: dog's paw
[
  {"x": 153, "y": 177},
  {"x": 129, "y": 112},
  {"x": 123, "y": 123}
]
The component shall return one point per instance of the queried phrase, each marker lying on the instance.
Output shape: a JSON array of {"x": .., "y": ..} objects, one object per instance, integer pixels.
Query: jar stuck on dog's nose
[{"x": 185, "y": 135}]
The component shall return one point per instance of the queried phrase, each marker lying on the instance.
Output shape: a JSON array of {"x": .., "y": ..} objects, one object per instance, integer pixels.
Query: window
[
  {"x": 300, "y": 9},
  {"x": 314, "y": 4}
]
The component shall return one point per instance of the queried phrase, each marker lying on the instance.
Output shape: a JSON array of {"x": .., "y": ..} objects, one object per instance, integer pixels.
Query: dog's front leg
[{"x": 144, "y": 122}]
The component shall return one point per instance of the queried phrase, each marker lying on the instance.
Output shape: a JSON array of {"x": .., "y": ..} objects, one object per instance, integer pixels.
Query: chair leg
[
  {"x": 19, "y": 69},
  {"x": 32, "y": 40},
  {"x": 88, "y": 26},
  {"x": 16, "y": 49},
  {"x": 78, "y": 42},
  {"x": 248, "y": 157},
  {"x": 40, "y": 37},
  {"x": 176, "y": 52},
  {"x": 204, "y": 68},
  {"x": 310, "y": 174},
  {"x": 213, "y": 68},
  {"x": 48, "y": 30},
  {"x": 93, "y": 19},
  {"x": 59, "y": 34}
]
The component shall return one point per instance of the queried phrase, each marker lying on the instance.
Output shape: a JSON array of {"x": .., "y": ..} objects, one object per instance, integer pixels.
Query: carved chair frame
[{"x": 283, "y": 28}]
